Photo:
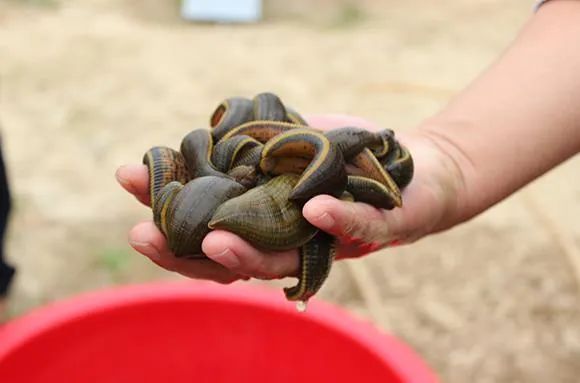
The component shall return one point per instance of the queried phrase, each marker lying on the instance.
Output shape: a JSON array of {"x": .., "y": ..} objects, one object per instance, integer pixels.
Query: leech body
[
  {"x": 370, "y": 191},
  {"x": 245, "y": 175},
  {"x": 265, "y": 216},
  {"x": 226, "y": 152},
  {"x": 373, "y": 169},
  {"x": 268, "y": 107},
  {"x": 387, "y": 144},
  {"x": 164, "y": 166},
  {"x": 186, "y": 213},
  {"x": 316, "y": 257},
  {"x": 250, "y": 157},
  {"x": 252, "y": 173},
  {"x": 162, "y": 202},
  {"x": 196, "y": 148},
  {"x": 262, "y": 131},
  {"x": 400, "y": 167},
  {"x": 231, "y": 113},
  {"x": 295, "y": 117},
  {"x": 325, "y": 174},
  {"x": 351, "y": 141},
  {"x": 293, "y": 165}
]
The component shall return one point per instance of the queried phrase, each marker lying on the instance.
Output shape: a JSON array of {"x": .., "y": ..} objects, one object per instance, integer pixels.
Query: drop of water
[{"x": 301, "y": 306}]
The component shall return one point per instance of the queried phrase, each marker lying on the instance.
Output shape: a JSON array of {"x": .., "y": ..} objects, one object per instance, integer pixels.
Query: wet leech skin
[
  {"x": 326, "y": 172},
  {"x": 266, "y": 217},
  {"x": 186, "y": 211},
  {"x": 254, "y": 169}
]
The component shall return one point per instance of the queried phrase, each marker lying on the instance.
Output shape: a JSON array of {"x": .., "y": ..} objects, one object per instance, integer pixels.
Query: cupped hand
[{"x": 430, "y": 202}]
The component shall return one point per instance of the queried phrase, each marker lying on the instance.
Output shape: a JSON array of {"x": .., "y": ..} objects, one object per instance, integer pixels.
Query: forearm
[{"x": 520, "y": 118}]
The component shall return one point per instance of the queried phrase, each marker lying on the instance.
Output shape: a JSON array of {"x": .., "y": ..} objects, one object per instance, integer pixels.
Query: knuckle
[{"x": 351, "y": 223}]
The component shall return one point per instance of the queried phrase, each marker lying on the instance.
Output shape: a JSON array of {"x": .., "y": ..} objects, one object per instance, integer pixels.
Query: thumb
[{"x": 353, "y": 222}]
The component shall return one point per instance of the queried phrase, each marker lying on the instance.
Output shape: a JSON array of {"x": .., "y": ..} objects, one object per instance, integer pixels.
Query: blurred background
[{"x": 88, "y": 85}]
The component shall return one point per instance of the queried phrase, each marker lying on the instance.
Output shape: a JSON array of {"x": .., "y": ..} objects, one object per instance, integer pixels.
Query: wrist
[{"x": 448, "y": 169}]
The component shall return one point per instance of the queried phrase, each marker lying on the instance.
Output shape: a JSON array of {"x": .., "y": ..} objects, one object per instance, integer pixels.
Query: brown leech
[
  {"x": 265, "y": 216},
  {"x": 164, "y": 166},
  {"x": 325, "y": 174},
  {"x": 183, "y": 211},
  {"x": 196, "y": 148},
  {"x": 230, "y": 113}
]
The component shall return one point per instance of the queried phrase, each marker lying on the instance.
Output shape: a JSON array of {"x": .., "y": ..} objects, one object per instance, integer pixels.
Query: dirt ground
[{"x": 87, "y": 85}]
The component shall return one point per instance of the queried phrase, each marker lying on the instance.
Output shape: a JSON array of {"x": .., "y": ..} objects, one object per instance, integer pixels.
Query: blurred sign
[{"x": 222, "y": 10}]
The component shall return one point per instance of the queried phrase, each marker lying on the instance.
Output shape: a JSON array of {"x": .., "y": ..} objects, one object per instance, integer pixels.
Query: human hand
[{"x": 430, "y": 203}]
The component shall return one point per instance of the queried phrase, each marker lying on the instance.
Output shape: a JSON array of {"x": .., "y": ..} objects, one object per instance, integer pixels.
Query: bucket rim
[{"x": 400, "y": 358}]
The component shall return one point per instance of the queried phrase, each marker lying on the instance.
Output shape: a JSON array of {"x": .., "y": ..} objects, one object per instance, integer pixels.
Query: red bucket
[{"x": 198, "y": 332}]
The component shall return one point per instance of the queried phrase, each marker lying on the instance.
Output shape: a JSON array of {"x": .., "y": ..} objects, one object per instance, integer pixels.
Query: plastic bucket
[{"x": 199, "y": 332}]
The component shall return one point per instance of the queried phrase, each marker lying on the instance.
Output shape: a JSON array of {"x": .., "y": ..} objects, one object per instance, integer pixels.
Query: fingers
[
  {"x": 149, "y": 241},
  {"x": 240, "y": 257},
  {"x": 229, "y": 257},
  {"x": 361, "y": 228},
  {"x": 135, "y": 179}
]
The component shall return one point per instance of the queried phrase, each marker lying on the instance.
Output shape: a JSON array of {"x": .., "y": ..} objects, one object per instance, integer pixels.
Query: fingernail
[
  {"x": 325, "y": 221},
  {"x": 146, "y": 249},
  {"x": 119, "y": 177},
  {"x": 226, "y": 258}
]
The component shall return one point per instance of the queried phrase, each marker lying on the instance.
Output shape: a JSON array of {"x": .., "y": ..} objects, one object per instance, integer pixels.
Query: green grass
[
  {"x": 113, "y": 260},
  {"x": 349, "y": 15}
]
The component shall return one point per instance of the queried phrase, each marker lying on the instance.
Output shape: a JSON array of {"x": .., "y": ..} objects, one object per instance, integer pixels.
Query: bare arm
[{"x": 521, "y": 117}]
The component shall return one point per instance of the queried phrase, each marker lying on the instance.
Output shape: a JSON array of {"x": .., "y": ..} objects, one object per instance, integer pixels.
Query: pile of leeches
[{"x": 253, "y": 171}]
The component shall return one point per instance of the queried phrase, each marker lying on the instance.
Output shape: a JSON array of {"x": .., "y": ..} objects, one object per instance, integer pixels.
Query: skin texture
[{"x": 523, "y": 115}]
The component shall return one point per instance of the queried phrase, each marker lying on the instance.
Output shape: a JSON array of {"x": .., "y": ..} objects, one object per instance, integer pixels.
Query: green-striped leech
[
  {"x": 227, "y": 152},
  {"x": 383, "y": 145},
  {"x": 182, "y": 212},
  {"x": 196, "y": 148},
  {"x": 263, "y": 131},
  {"x": 368, "y": 167},
  {"x": 325, "y": 174},
  {"x": 250, "y": 157},
  {"x": 399, "y": 165},
  {"x": 268, "y": 107},
  {"x": 387, "y": 137},
  {"x": 230, "y": 113},
  {"x": 395, "y": 158},
  {"x": 351, "y": 141},
  {"x": 255, "y": 140},
  {"x": 236, "y": 111},
  {"x": 295, "y": 117},
  {"x": 369, "y": 182},
  {"x": 370, "y": 191},
  {"x": 316, "y": 258},
  {"x": 265, "y": 217},
  {"x": 164, "y": 166}
]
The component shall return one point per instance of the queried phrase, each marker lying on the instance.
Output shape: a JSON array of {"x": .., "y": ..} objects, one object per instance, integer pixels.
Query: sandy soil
[{"x": 89, "y": 85}]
